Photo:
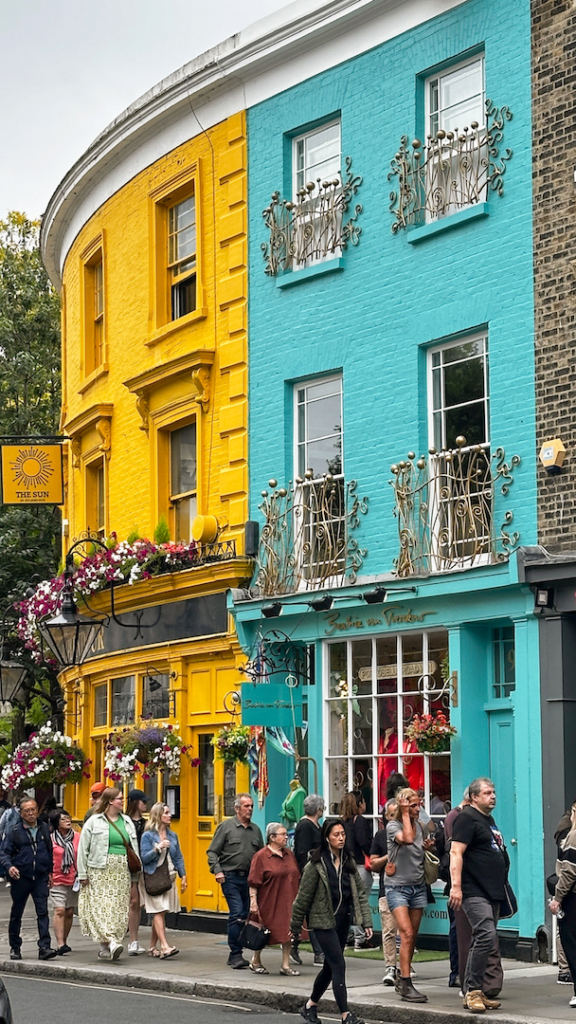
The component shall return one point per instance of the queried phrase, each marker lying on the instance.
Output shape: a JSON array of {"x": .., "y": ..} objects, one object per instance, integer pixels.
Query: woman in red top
[
  {"x": 64, "y": 892},
  {"x": 273, "y": 883}
]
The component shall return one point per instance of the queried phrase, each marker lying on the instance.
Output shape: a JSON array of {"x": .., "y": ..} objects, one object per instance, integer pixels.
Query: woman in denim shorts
[{"x": 406, "y": 887}]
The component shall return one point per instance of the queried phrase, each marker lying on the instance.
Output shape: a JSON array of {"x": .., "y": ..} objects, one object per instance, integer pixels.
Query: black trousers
[
  {"x": 332, "y": 942},
  {"x": 567, "y": 928},
  {"x": 21, "y": 889}
]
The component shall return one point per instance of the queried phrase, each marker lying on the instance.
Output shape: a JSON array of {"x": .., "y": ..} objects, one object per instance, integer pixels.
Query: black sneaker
[
  {"x": 64, "y": 949},
  {"x": 353, "y": 1019},
  {"x": 47, "y": 954},
  {"x": 295, "y": 956},
  {"x": 238, "y": 963},
  {"x": 310, "y": 1013},
  {"x": 15, "y": 954},
  {"x": 564, "y": 978},
  {"x": 318, "y": 959}
]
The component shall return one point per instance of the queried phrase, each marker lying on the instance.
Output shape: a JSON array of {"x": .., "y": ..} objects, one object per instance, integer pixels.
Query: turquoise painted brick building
[{"x": 391, "y": 355}]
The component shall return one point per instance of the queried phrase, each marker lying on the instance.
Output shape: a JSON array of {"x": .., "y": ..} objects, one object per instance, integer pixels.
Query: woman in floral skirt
[{"x": 104, "y": 875}]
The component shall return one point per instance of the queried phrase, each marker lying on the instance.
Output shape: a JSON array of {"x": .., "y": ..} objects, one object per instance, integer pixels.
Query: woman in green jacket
[{"x": 331, "y": 896}]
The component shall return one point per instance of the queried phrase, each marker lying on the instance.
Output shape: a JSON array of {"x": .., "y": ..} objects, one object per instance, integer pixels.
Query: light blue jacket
[
  {"x": 150, "y": 854},
  {"x": 95, "y": 840}
]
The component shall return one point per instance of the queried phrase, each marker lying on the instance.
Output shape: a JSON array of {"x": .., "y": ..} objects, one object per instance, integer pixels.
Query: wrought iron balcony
[
  {"x": 445, "y": 507},
  {"x": 306, "y": 542},
  {"x": 313, "y": 227},
  {"x": 450, "y": 171}
]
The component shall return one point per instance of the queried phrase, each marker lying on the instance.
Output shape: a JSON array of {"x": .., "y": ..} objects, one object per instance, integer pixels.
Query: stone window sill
[
  {"x": 437, "y": 227},
  {"x": 290, "y": 277}
]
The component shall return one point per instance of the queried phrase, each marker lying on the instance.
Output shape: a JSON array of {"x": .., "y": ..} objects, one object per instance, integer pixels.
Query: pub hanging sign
[{"x": 32, "y": 474}]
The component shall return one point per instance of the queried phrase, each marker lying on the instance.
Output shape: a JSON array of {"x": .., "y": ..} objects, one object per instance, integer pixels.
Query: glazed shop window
[
  {"x": 504, "y": 662},
  {"x": 183, "y": 495},
  {"x": 123, "y": 700},
  {"x": 182, "y": 256},
  {"x": 100, "y": 696},
  {"x": 156, "y": 695},
  {"x": 375, "y": 688}
]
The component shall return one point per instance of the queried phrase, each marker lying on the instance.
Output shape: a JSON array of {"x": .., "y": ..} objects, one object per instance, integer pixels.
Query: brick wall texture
[{"x": 554, "y": 142}]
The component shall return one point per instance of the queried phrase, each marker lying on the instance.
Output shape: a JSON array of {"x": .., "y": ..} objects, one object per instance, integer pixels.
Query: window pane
[
  {"x": 324, "y": 456},
  {"x": 337, "y": 783},
  {"x": 362, "y": 726},
  {"x": 469, "y": 421},
  {"x": 412, "y": 664},
  {"x": 123, "y": 700},
  {"x": 205, "y": 776},
  {"x": 338, "y": 739},
  {"x": 464, "y": 382},
  {"x": 466, "y": 351},
  {"x": 321, "y": 389},
  {"x": 183, "y": 456},
  {"x": 325, "y": 417},
  {"x": 100, "y": 705},
  {"x": 337, "y": 654},
  {"x": 156, "y": 696},
  {"x": 317, "y": 155},
  {"x": 182, "y": 230}
]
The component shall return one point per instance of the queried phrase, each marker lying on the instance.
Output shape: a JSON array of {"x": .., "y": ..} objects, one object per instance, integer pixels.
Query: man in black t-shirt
[{"x": 478, "y": 869}]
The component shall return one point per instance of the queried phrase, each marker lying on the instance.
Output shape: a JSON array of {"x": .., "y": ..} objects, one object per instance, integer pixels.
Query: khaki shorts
[{"x": 63, "y": 897}]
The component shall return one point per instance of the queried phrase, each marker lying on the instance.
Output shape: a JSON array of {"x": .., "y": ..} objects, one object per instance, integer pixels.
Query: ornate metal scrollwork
[
  {"x": 276, "y": 652},
  {"x": 313, "y": 227},
  {"x": 450, "y": 171},
  {"x": 306, "y": 541},
  {"x": 445, "y": 507}
]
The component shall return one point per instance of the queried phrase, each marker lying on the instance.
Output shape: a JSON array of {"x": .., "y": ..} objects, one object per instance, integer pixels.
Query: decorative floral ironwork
[
  {"x": 445, "y": 509},
  {"x": 306, "y": 542},
  {"x": 452, "y": 170},
  {"x": 276, "y": 652},
  {"x": 313, "y": 227}
]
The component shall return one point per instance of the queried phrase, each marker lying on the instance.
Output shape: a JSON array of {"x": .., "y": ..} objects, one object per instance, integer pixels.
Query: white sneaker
[
  {"x": 389, "y": 976},
  {"x": 116, "y": 949},
  {"x": 104, "y": 954},
  {"x": 134, "y": 949},
  {"x": 572, "y": 1002}
]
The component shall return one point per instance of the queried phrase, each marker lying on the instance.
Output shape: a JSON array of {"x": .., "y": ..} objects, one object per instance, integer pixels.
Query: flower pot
[{"x": 433, "y": 744}]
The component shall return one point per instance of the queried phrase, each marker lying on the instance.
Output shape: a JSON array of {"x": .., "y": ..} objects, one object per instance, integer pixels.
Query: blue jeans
[
  {"x": 235, "y": 889},
  {"x": 415, "y": 897}
]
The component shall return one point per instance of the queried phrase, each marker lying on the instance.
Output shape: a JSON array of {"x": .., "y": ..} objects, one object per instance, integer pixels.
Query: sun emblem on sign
[{"x": 32, "y": 468}]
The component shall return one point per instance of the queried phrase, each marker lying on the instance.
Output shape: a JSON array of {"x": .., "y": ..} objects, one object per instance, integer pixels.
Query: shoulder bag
[
  {"x": 390, "y": 865},
  {"x": 431, "y": 863},
  {"x": 254, "y": 935},
  {"x": 134, "y": 862},
  {"x": 158, "y": 882}
]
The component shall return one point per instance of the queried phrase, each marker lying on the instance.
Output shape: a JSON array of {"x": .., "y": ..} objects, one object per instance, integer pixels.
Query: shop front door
[
  {"x": 503, "y": 774},
  {"x": 213, "y": 798}
]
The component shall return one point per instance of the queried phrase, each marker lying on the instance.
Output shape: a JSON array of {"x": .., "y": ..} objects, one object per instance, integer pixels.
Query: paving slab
[{"x": 530, "y": 994}]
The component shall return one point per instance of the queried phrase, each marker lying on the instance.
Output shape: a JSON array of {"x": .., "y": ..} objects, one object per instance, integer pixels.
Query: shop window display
[{"x": 376, "y": 687}]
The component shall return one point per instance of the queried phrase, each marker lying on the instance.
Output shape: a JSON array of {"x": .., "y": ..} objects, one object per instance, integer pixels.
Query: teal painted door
[{"x": 503, "y": 774}]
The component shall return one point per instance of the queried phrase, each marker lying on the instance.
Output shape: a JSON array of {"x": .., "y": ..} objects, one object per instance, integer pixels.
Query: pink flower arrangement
[
  {"x": 120, "y": 563},
  {"x": 148, "y": 749},
  {"x": 48, "y": 757},
  {"x": 431, "y": 733}
]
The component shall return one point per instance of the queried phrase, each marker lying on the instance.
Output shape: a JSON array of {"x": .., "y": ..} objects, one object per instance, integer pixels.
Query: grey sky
[{"x": 70, "y": 66}]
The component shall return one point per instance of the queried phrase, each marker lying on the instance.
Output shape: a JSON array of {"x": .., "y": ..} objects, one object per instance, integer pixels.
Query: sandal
[
  {"x": 153, "y": 951},
  {"x": 258, "y": 968},
  {"x": 169, "y": 952},
  {"x": 289, "y": 972}
]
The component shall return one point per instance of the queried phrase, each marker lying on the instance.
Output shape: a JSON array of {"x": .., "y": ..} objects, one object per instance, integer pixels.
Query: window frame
[
  {"x": 308, "y": 217},
  {"x": 301, "y": 137},
  {"x": 94, "y": 358},
  {"x": 96, "y": 495},
  {"x": 441, "y": 347},
  {"x": 443, "y": 72},
  {"x": 179, "y": 273},
  {"x": 297, "y": 443},
  {"x": 133, "y": 719},
  {"x": 175, "y": 499},
  {"x": 178, "y": 188}
]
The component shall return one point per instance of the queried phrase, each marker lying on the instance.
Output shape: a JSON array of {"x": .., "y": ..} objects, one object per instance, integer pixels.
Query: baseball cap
[
  {"x": 98, "y": 788},
  {"x": 137, "y": 794}
]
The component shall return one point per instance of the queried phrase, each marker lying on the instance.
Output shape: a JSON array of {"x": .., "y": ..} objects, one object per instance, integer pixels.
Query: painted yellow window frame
[
  {"x": 187, "y": 183},
  {"x": 96, "y": 495},
  {"x": 93, "y": 312},
  {"x": 164, "y": 421}
]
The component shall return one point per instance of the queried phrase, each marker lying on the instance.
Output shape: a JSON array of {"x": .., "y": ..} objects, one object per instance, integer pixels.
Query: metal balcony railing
[
  {"x": 312, "y": 227},
  {"x": 445, "y": 507},
  {"x": 450, "y": 171}
]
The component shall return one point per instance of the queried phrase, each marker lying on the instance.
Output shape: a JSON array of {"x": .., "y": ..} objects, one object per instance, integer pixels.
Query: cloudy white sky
[{"x": 68, "y": 67}]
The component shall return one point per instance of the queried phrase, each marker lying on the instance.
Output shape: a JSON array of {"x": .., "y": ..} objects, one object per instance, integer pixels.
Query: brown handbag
[{"x": 134, "y": 862}]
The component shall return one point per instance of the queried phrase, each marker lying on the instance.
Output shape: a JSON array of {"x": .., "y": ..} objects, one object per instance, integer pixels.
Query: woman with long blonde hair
[{"x": 159, "y": 844}]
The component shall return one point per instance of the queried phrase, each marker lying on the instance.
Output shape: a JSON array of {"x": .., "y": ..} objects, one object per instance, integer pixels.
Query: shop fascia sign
[{"x": 393, "y": 615}]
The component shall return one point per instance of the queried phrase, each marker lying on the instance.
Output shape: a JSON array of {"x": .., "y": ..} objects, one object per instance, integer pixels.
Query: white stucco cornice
[{"x": 291, "y": 45}]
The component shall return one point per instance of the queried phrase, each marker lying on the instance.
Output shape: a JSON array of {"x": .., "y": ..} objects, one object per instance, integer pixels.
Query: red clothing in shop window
[{"x": 412, "y": 767}]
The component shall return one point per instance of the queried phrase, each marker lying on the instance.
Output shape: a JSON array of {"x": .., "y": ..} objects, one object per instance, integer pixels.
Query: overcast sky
[{"x": 68, "y": 67}]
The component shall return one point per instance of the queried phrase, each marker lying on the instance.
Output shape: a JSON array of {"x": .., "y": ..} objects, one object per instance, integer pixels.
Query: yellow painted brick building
[{"x": 154, "y": 288}]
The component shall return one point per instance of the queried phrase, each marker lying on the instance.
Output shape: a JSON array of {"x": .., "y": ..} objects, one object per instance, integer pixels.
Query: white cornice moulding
[{"x": 275, "y": 53}]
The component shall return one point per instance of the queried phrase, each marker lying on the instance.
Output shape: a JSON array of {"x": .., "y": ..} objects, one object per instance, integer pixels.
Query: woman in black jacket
[
  {"x": 331, "y": 894},
  {"x": 359, "y": 842}
]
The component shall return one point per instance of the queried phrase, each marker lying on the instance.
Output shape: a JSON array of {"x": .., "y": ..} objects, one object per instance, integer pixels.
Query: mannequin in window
[{"x": 412, "y": 767}]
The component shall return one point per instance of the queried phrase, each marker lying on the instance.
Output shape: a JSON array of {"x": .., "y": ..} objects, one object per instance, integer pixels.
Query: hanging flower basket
[
  {"x": 147, "y": 749},
  {"x": 231, "y": 744},
  {"x": 431, "y": 733},
  {"x": 47, "y": 758}
]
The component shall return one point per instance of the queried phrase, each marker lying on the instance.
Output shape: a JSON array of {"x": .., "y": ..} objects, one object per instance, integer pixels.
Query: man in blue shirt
[{"x": 26, "y": 857}]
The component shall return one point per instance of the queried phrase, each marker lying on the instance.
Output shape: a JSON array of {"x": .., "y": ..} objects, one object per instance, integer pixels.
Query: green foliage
[
  {"x": 133, "y": 536},
  {"x": 162, "y": 532}
]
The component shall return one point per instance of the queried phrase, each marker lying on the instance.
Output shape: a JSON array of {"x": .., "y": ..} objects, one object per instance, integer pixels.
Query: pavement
[{"x": 530, "y": 994}]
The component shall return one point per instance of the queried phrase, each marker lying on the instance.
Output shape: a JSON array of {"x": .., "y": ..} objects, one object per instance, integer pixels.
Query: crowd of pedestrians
[{"x": 121, "y": 862}]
